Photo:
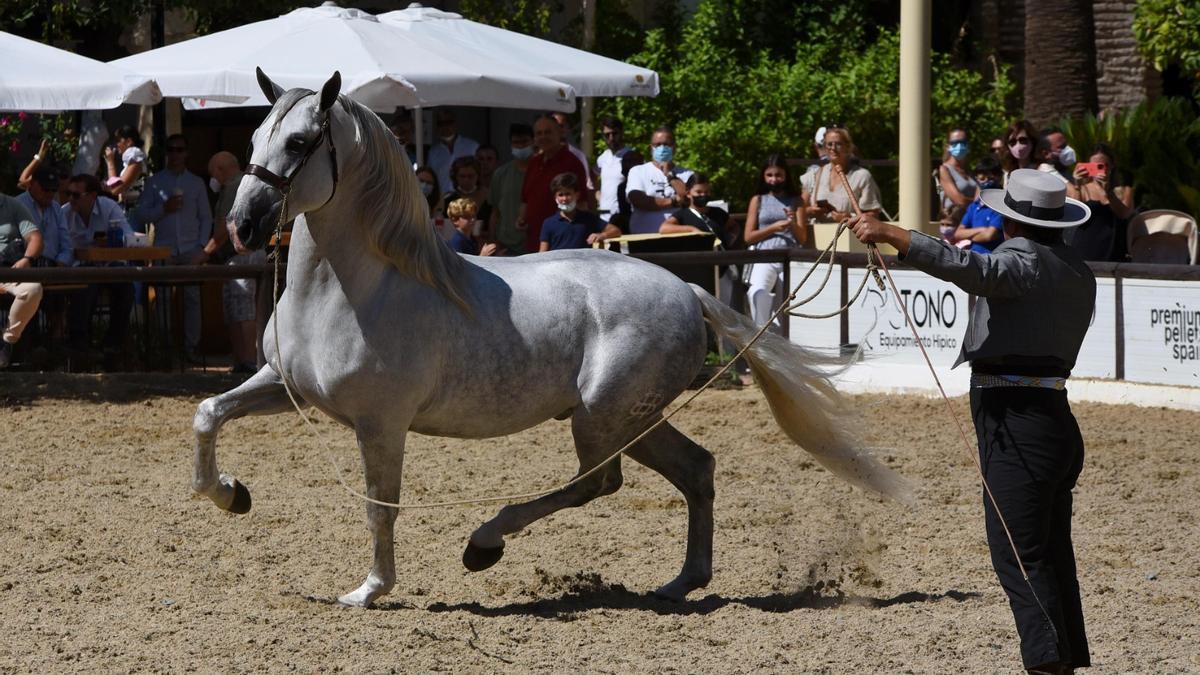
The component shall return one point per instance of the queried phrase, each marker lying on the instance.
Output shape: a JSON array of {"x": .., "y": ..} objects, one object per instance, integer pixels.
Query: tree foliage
[
  {"x": 1168, "y": 32},
  {"x": 530, "y": 17},
  {"x": 733, "y": 100}
]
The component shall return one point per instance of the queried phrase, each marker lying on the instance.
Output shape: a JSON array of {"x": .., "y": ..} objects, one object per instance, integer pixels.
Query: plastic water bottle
[{"x": 116, "y": 235}]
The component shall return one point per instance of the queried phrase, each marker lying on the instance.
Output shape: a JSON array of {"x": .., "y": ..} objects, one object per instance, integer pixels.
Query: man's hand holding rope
[{"x": 871, "y": 230}]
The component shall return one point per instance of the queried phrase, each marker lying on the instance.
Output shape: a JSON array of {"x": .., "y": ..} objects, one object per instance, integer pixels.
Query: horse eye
[{"x": 295, "y": 144}]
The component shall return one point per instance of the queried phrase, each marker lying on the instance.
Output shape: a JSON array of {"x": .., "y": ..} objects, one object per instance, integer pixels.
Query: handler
[{"x": 1035, "y": 303}]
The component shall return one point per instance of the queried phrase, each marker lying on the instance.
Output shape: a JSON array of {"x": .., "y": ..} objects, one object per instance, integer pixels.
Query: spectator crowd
[{"x": 550, "y": 195}]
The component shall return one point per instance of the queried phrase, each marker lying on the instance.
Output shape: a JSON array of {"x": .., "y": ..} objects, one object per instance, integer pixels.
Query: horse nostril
[{"x": 245, "y": 231}]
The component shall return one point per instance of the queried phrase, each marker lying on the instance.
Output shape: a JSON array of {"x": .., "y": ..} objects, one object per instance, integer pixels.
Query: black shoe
[{"x": 5, "y": 353}]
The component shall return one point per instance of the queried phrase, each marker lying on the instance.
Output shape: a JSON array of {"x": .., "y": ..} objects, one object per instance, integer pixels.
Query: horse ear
[
  {"x": 269, "y": 89},
  {"x": 329, "y": 92}
]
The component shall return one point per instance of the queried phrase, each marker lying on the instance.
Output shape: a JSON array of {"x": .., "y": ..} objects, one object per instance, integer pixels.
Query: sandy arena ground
[{"x": 110, "y": 564}]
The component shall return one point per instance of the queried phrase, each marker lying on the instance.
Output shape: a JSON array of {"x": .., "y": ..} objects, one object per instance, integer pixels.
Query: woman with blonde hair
[{"x": 824, "y": 196}]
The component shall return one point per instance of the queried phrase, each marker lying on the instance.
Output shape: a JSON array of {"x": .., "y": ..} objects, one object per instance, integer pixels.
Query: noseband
[{"x": 284, "y": 185}]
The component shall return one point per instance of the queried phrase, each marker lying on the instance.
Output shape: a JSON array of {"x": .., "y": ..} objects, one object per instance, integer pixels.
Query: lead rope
[
  {"x": 786, "y": 305},
  {"x": 873, "y": 250}
]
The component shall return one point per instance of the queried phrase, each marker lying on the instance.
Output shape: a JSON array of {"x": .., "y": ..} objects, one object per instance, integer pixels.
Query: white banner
[
  {"x": 937, "y": 308},
  {"x": 817, "y": 333},
  {"x": 1098, "y": 355},
  {"x": 1162, "y": 331}
]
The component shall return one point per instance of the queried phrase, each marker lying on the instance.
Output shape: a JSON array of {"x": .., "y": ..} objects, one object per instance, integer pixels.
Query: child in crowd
[
  {"x": 461, "y": 213},
  {"x": 570, "y": 227},
  {"x": 982, "y": 229}
]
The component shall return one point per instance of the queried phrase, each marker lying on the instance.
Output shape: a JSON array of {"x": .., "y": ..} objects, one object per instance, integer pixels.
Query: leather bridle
[{"x": 284, "y": 185}]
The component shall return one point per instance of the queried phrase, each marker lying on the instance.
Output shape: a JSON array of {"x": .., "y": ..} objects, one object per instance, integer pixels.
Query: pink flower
[
  {"x": 15, "y": 147},
  {"x": 21, "y": 116},
  {"x": 3, "y": 121}
]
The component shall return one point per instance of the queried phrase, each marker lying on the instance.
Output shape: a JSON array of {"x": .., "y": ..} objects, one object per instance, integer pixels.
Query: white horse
[{"x": 387, "y": 330}]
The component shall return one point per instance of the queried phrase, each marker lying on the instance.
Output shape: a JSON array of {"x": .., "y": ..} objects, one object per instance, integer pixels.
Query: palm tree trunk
[{"x": 1060, "y": 60}]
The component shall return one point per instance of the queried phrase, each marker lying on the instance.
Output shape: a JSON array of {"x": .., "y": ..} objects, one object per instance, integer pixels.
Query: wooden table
[{"x": 122, "y": 253}]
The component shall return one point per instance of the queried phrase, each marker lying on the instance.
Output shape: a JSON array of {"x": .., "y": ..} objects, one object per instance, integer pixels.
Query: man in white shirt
[
  {"x": 449, "y": 146},
  {"x": 176, "y": 201},
  {"x": 656, "y": 189},
  {"x": 608, "y": 165}
]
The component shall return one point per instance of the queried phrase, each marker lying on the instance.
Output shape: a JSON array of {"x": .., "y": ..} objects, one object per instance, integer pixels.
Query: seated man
[
  {"x": 20, "y": 246},
  {"x": 982, "y": 229},
  {"x": 41, "y": 201},
  {"x": 89, "y": 215},
  {"x": 570, "y": 227},
  {"x": 699, "y": 217}
]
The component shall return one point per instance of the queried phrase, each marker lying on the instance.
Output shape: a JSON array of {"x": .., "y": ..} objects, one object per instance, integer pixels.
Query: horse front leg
[
  {"x": 383, "y": 464},
  {"x": 262, "y": 394}
]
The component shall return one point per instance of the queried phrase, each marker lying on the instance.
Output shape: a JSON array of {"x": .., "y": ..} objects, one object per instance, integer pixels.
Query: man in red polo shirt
[{"x": 553, "y": 158}]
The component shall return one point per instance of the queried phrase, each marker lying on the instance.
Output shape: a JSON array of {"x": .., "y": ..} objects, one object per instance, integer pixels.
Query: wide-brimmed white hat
[{"x": 1036, "y": 198}]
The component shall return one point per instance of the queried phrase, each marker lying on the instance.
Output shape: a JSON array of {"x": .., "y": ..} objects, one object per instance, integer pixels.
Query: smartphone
[{"x": 1093, "y": 169}]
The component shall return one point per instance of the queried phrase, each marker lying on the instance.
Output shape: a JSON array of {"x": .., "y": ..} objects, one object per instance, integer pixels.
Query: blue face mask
[
  {"x": 663, "y": 153},
  {"x": 522, "y": 153},
  {"x": 988, "y": 185},
  {"x": 959, "y": 150}
]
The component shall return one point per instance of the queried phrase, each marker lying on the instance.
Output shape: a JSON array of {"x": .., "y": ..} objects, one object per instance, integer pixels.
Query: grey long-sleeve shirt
[{"x": 1034, "y": 302}]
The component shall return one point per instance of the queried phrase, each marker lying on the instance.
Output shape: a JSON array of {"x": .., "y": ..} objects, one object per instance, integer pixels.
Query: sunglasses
[
  {"x": 610, "y": 134},
  {"x": 1020, "y": 140},
  {"x": 833, "y": 145}
]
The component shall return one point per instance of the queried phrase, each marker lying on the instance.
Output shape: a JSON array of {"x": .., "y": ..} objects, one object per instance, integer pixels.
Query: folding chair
[{"x": 1163, "y": 236}]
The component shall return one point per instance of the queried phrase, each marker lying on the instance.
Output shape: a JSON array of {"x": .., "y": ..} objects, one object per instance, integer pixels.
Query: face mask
[
  {"x": 1020, "y": 151},
  {"x": 522, "y": 153},
  {"x": 426, "y": 188},
  {"x": 447, "y": 139},
  {"x": 777, "y": 187},
  {"x": 959, "y": 150},
  {"x": 700, "y": 200},
  {"x": 566, "y": 208},
  {"x": 214, "y": 184},
  {"x": 988, "y": 185},
  {"x": 1066, "y": 156},
  {"x": 663, "y": 153}
]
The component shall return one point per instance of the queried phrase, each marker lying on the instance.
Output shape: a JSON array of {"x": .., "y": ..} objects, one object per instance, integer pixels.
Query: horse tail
[{"x": 804, "y": 402}]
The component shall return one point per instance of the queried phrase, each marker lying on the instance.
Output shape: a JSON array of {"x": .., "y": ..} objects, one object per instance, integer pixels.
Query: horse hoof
[
  {"x": 477, "y": 558},
  {"x": 241, "y": 499}
]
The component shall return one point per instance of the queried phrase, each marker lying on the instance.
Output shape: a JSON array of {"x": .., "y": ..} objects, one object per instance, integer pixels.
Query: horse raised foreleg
[
  {"x": 689, "y": 468},
  {"x": 262, "y": 394},
  {"x": 383, "y": 463},
  {"x": 486, "y": 545}
]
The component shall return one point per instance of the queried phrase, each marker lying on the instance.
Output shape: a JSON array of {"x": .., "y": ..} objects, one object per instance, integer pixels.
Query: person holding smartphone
[
  {"x": 775, "y": 218},
  {"x": 1094, "y": 183},
  {"x": 826, "y": 201}
]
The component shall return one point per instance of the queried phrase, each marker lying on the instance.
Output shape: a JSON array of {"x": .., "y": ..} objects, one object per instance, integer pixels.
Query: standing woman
[
  {"x": 774, "y": 219},
  {"x": 1035, "y": 301},
  {"x": 1094, "y": 183},
  {"x": 955, "y": 182},
  {"x": 827, "y": 201},
  {"x": 126, "y": 185},
  {"x": 1020, "y": 137}
]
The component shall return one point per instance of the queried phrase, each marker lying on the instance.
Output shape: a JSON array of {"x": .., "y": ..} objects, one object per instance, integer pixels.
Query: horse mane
[{"x": 393, "y": 211}]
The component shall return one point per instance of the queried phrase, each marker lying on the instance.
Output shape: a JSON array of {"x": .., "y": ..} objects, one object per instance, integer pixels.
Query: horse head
[{"x": 293, "y": 155}]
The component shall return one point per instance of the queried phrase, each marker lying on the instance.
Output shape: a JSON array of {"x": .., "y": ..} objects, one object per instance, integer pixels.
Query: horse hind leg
[
  {"x": 689, "y": 468},
  {"x": 592, "y": 445},
  {"x": 262, "y": 394}
]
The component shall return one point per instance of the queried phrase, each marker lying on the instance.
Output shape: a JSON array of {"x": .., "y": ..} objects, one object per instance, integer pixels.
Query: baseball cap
[{"x": 47, "y": 178}]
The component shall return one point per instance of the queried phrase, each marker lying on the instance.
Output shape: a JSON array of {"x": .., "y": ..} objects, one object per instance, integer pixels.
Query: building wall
[{"x": 1124, "y": 77}]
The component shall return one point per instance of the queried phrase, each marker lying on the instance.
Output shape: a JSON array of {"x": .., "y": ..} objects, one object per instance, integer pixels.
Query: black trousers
[{"x": 1032, "y": 452}]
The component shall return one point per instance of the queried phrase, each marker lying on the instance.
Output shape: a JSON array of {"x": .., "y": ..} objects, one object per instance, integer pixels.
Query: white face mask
[
  {"x": 566, "y": 208},
  {"x": 1066, "y": 156},
  {"x": 214, "y": 184}
]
